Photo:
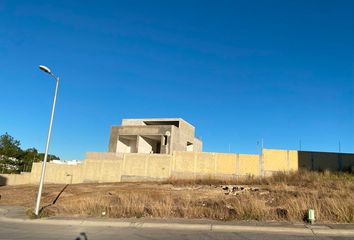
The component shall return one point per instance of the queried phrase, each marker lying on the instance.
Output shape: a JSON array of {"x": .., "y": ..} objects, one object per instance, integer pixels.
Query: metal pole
[
  {"x": 300, "y": 145},
  {"x": 46, "y": 149}
]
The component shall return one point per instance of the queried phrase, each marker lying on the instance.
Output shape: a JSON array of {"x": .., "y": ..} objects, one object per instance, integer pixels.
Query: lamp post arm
[{"x": 55, "y": 77}]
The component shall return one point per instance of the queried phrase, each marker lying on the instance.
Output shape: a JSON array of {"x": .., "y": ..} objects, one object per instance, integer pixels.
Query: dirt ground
[{"x": 286, "y": 198}]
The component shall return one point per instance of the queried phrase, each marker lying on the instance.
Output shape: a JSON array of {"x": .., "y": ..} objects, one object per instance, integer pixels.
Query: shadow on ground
[
  {"x": 82, "y": 236},
  {"x": 54, "y": 201},
  {"x": 3, "y": 181}
]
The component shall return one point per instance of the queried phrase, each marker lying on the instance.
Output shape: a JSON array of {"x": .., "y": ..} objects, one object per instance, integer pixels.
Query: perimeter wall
[{"x": 113, "y": 167}]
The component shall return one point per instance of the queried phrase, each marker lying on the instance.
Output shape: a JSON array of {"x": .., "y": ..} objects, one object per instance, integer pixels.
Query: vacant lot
[{"x": 283, "y": 197}]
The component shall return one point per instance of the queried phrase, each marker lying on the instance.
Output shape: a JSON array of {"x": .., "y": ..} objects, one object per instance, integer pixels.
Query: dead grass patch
[{"x": 287, "y": 198}]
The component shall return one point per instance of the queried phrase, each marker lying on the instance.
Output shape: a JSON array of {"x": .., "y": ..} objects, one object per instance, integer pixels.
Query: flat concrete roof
[{"x": 153, "y": 121}]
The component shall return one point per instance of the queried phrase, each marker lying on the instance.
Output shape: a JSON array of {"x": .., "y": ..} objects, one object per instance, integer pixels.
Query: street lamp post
[{"x": 47, "y": 70}]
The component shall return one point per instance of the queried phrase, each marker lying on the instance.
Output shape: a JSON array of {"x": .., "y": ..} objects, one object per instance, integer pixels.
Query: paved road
[
  {"x": 14, "y": 230},
  {"x": 14, "y": 224}
]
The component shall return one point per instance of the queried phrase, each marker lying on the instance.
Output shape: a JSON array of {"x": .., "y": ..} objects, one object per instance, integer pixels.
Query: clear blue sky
[{"x": 237, "y": 70}]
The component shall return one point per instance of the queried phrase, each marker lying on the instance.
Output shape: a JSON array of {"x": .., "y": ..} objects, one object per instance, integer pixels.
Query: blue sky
[{"x": 237, "y": 70}]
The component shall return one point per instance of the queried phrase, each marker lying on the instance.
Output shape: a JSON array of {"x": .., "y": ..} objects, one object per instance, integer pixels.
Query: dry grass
[
  {"x": 161, "y": 205},
  {"x": 301, "y": 179},
  {"x": 287, "y": 198}
]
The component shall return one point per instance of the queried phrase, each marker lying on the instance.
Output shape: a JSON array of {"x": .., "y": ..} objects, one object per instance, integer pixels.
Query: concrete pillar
[
  {"x": 137, "y": 144},
  {"x": 261, "y": 164}
]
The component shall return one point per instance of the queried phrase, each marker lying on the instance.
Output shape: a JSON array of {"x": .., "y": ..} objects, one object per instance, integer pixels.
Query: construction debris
[{"x": 237, "y": 190}]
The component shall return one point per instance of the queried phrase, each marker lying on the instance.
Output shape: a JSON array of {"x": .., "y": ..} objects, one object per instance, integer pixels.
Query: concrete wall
[
  {"x": 116, "y": 167},
  {"x": 278, "y": 160},
  {"x": 125, "y": 145},
  {"x": 320, "y": 161},
  {"x": 56, "y": 173},
  {"x": 248, "y": 164},
  {"x": 144, "y": 145},
  {"x": 137, "y": 167},
  {"x": 15, "y": 179},
  {"x": 182, "y": 135},
  {"x": 197, "y": 145}
]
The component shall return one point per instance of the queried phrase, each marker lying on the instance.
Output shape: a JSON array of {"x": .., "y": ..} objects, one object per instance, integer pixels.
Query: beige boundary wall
[{"x": 113, "y": 167}]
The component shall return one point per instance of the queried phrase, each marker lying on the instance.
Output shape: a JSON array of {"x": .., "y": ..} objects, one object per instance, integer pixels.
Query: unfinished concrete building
[{"x": 160, "y": 135}]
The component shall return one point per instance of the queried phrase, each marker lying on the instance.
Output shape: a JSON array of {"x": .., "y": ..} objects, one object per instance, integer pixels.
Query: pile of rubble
[{"x": 237, "y": 190}]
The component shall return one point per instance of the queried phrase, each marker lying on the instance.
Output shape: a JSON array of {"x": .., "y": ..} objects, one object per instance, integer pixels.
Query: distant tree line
[{"x": 13, "y": 159}]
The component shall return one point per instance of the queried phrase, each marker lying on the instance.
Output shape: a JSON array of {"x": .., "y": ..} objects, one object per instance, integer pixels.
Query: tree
[
  {"x": 9, "y": 146},
  {"x": 49, "y": 158},
  {"x": 15, "y": 160},
  {"x": 29, "y": 156},
  {"x": 10, "y": 151}
]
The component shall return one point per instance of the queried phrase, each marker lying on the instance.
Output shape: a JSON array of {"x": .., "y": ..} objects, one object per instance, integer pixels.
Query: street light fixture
[
  {"x": 44, "y": 68},
  {"x": 47, "y": 70}
]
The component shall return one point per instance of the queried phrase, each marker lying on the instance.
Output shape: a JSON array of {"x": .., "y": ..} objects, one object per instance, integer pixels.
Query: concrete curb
[{"x": 197, "y": 227}]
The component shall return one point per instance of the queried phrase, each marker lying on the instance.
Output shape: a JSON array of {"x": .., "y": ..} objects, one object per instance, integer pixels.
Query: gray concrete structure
[{"x": 156, "y": 135}]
